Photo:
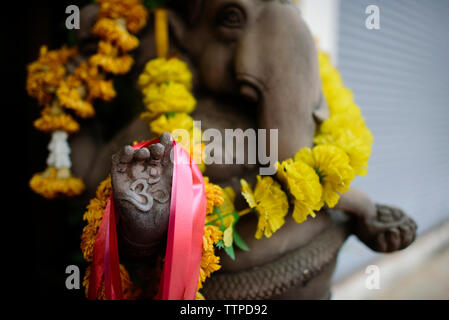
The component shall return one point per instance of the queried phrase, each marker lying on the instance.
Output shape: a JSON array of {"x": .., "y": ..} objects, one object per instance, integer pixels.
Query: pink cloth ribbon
[{"x": 181, "y": 268}]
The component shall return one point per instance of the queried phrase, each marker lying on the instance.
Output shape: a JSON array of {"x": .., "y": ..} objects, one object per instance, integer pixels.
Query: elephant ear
[
  {"x": 321, "y": 110},
  {"x": 190, "y": 10}
]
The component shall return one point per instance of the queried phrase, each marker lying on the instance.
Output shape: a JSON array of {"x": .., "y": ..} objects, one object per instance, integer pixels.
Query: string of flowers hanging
[{"x": 65, "y": 85}]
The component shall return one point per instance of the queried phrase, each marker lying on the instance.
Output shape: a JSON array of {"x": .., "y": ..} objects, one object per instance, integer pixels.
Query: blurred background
[{"x": 399, "y": 75}]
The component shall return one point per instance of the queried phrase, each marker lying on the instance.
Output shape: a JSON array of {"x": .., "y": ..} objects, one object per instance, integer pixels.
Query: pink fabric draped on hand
[{"x": 181, "y": 269}]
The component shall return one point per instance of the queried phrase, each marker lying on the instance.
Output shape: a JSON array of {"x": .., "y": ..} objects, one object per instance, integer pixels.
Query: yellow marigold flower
[
  {"x": 345, "y": 128},
  {"x": 70, "y": 95},
  {"x": 332, "y": 166},
  {"x": 49, "y": 123},
  {"x": 112, "y": 31},
  {"x": 329, "y": 74},
  {"x": 108, "y": 59},
  {"x": 161, "y": 70},
  {"x": 48, "y": 185},
  {"x": 348, "y": 132},
  {"x": 304, "y": 185},
  {"x": 214, "y": 195},
  {"x": 341, "y": 123},
  {"x": 340, "y": 101},
  {"x": 168, "y": 97},
  {"x": 269, "y": 201},
  {"x": 169, "y": 123},
  {"x": 353, "y": 144},
  {"x": 132, "y": 11}
]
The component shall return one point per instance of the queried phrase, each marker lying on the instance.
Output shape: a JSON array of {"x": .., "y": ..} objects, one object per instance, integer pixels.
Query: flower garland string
[
  {"x": 316, "y": 177},
  {"x": 313, "y": 178},
  {"x": 66, "y": 88},
  {"x": 62, "y": 84}
]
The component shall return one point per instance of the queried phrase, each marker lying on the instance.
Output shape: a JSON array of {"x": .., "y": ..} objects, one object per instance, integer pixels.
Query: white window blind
[{"x": 400, "y": 78}]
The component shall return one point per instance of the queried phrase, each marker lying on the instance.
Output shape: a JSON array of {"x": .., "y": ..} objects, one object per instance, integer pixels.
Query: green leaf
[
  {"x": 220, "y": 244},
  {"x": 239, "y": 241},
  {"x": 236, "y": 217},
  {"x": 170, "y": 114},
  {"x": 216, "y": 210},
  {"x": 230, "y": 252}
]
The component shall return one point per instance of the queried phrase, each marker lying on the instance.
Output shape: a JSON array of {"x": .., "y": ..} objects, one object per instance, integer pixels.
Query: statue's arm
[
  {"x": 357, "y": 204},
  {"x": 380, "y": 227}
]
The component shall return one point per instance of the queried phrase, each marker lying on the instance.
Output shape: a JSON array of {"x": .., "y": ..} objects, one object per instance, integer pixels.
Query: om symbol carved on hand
[{"x": 139, "y": 196}]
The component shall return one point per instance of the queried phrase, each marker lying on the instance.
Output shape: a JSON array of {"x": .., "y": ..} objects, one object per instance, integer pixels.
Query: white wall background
[
  {"x": 400, "y": 78},
  {"x": 322, "y": 18}
]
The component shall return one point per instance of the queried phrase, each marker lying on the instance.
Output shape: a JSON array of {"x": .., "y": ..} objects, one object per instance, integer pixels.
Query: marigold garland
[
  {"x": 342, "y": 147},
  {"x": 59, "y": 83},
  {"x": 45, "y": 74},
  {"x": 313, "y": 178},
  {"x": 166, "y": 85}
]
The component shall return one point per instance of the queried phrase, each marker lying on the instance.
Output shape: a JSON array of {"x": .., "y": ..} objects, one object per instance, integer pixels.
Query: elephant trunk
[{"x": 277, "y": 68}]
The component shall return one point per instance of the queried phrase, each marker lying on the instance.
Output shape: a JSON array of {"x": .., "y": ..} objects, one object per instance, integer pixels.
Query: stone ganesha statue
[{"x": 255, "y": 66}]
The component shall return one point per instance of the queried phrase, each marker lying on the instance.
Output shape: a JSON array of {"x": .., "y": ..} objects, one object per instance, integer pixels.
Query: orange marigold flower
[
  {"x": 214, "y": 195},
  {"x": 45, "y": 74},
  {"x": 49, "y": 123},
  {"x": 113, "y": 32},
  {"x": 99, "y": 88},
  {"x": 132, "y": 11},
  {"x": 93, "y": 216},
  {"x": 48, "y": 185},
  {"x": 70, "y": 94},
  {"x": 88, "y": 239},
  {"x": 212, "y": 235},
  {"x": 108, "y": 59},
  {"x": 209, "y": 261}
]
